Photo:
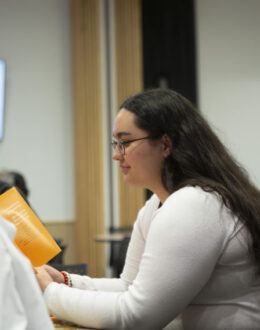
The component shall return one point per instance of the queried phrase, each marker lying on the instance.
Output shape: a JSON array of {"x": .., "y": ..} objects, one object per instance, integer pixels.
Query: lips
[{"x": 125, "y": 169}]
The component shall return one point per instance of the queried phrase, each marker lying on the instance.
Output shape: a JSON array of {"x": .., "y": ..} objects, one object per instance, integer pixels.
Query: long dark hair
[{"x": 198, "y": 157}]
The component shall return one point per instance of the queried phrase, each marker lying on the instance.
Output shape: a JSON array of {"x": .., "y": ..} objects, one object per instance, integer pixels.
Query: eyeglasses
[{"x": 122, "y": 144}]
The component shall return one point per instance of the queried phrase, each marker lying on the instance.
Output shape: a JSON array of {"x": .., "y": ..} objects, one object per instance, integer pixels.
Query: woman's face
[{"x": 142, "y": 162}]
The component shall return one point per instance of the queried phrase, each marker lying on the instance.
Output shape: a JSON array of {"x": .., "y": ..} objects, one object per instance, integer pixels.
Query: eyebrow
[{"x": 120, "y": 134}]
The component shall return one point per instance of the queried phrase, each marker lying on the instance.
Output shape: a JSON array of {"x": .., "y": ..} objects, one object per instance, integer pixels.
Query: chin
[
  {"x": 128, "y": 180},
  {"x": 132, "y": 182}
]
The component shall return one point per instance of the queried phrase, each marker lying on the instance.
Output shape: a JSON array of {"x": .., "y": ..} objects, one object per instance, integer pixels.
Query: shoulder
[
  {"x": 7, "y": 226},
  {"x": 192, "y": 208},
  {"x": 7, "y": 232},
  {"x": 193, "y": 196}
]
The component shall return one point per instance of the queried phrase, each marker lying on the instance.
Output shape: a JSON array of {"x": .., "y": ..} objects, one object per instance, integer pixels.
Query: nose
[{"x": 117, "y": 155}]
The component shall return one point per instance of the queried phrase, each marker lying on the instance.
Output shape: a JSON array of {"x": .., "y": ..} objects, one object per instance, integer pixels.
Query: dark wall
[
  {"x": 169, "y": 53},
  {"x": 169, "y": 45}
]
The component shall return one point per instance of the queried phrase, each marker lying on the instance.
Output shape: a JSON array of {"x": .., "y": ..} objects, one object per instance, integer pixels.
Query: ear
[{"x": 166, "y": 145}]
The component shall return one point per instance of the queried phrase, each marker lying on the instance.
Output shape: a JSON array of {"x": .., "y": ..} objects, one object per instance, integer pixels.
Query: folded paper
[{"x": 32, "y": 238}]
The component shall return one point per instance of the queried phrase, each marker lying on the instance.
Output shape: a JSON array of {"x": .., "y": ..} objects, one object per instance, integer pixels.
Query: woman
[{"x": 195, "y": 247}]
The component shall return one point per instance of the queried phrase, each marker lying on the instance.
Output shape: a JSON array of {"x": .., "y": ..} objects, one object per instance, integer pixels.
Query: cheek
[
  {"x": 143, "y": 159},
  {"x": 131, "y": 158},
  {"x": 135, "y": 156}
]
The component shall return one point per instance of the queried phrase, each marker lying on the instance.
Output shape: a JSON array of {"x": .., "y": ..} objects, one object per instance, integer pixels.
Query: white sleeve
[
  {"x": 98, "y": 284},
  {"x": 183, "y": 244},
  {"x": 12, "y": 313},
  {"x": 15, "y": 312},
  {"x": 21, "y": 303}
]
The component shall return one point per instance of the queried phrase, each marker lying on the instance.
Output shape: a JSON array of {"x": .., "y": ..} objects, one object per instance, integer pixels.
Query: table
[{"x": 110, "y": 238}]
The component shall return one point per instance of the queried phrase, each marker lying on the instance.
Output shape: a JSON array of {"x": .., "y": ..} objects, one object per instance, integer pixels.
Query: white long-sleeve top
[
  {"x": 189, "y": 256},
  {"x": 21, "y": 304}
]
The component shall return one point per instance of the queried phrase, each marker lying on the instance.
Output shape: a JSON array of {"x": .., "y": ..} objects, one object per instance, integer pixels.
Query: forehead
[{"x": 124, "y": 124}]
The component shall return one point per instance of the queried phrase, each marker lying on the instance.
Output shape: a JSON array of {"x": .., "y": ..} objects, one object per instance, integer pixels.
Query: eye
[
  {"x": 114, "y": 144},
  {"x": 125, "y": 143}
]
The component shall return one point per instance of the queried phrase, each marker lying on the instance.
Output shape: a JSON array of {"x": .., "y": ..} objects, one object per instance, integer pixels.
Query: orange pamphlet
[{"x": 32, "y": 238}]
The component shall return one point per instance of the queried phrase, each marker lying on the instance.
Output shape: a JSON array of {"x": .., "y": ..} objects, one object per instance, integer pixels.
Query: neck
[{"x": 162, "y": 194}]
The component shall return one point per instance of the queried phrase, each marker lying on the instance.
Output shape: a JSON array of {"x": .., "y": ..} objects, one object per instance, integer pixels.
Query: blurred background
[{"x": 68, "y": 66}]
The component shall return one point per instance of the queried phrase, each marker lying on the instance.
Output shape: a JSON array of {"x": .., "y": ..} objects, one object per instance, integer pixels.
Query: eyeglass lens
[{"x": 120, "y": 146}]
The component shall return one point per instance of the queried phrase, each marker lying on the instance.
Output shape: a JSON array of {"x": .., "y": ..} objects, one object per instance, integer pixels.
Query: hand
[
  {"x": 43, "y": 277},
  {"x": 54, "y": 273}
]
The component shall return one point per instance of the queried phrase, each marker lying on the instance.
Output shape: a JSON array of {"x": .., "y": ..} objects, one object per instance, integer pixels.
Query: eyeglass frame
[{"x": 121, "y": 149}]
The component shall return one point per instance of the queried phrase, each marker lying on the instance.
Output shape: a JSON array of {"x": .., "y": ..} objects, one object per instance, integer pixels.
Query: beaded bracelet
[{"x": 67, "y": 278}]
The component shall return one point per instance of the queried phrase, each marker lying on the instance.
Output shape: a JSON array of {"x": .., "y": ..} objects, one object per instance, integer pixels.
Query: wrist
[{"x": 67, "y": 278}]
